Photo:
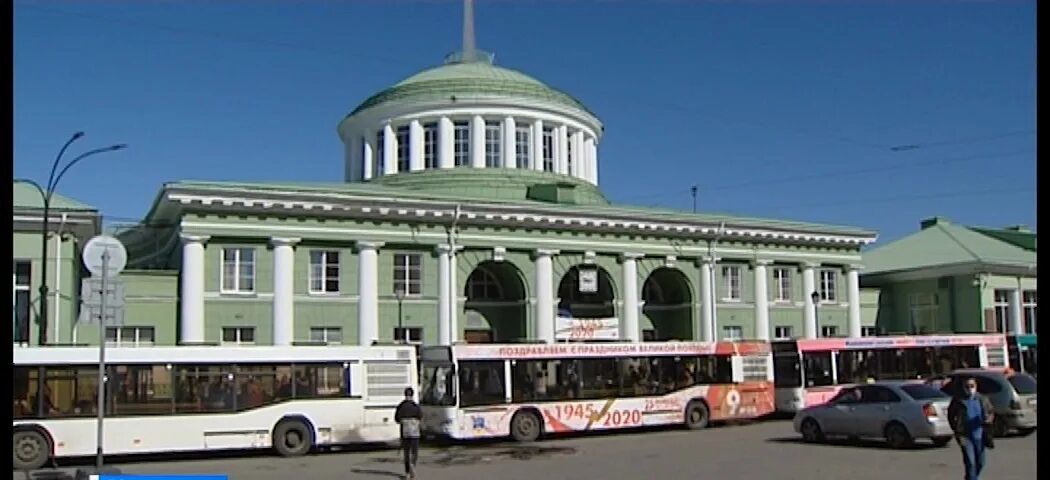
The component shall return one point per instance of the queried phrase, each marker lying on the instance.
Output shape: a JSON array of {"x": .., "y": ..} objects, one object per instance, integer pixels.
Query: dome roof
[{"x": 466, "y": 79}]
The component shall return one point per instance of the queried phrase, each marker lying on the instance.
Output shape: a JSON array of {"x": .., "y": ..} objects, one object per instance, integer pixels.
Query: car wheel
[
  {"x": 292, "y": 438},
  {"x": 525, "y": 427},
  {"x": 941, "y": 441},
  {"x": 999, "y": 427},
  {"x": 32, "y": 450},
  {"x": 897, "y": 436},
  {"x": 696, "y": 415},
  {"x": 811, "y": 431}
]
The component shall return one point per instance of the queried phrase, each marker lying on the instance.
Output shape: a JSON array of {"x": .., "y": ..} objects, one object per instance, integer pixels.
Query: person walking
[
  {"x": 968, "y": 414},
  {"x": 409, "y": 416}
]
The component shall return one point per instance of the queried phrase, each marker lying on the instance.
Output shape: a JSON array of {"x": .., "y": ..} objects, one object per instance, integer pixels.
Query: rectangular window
[
  {"x": 869, "y": 331},
  {"x": 408, "y": 273},
  {"x": 829, "y": 331},
  {"x": 22, "y": 300},
  {"x": 142, "y": 390},
  {"x": 403, "y": 145},
  {"x": 461, "y": 143},
  {"x": 238, "y": 336},
  {"x": 430, "y": 145},
  {"x": 782, "y": 284},
  {"x": 1029, "y": 301},
  {"x": 828, "y": 284},
  {"x": 481, "y": 383},
  {"x": 408, "y": 334},
  {"x": 1002, "y": 310},
  {"x": 71, "y": 392},
  {"x": 731, "y": 282},
  {"x": 923, "y": 312},
  {"x": 324, "y": 271},
  {"x": 732, "y": 332},
  {"x": 569, "y": 155},
  {"x": 130, "y": 336},
  {"x": 378, "y": 163},
  {"x": 493, "y": 145},
  {"x": 329, "y": 335},
  {"x": 522, "y": 146},
  {"x": 238, "y": 270},
  {"x": 782, "y": 333},
  {"x": 548, "y": 150}
]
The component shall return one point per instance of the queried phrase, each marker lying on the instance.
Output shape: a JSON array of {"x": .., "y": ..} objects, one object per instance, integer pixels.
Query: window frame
[
  {"x": 430, "y": 145},
  {"x": 493, "y": 145},
  {"x": 1002, "y": 308},
  {"x": 403, "y": 263},
  {"x": 782, "y": 285},
  {"x": 834, "y": 329},
  {"x": 728, "y": 274},
  {"x": 523, "y": 146},
  {"x": 238, "y": 262},
  {"x": 119, "y": 341},
  {"x": 790, "y": 332},
  {"x": 734, "y": 328},
  {"x": 324, "y": 273},
  {"x": 828, "y": 286},
  {"x": 239, "y": 336},
  {"x": 1028, "y": 311},
  {"x": 379, "y": 162},
  {"x": 22, "y": 301},
  {"x": 415, "y": 334},
  {"x": 869, "y": 331},
  {"x": 403, "y": 148},
  {"x": 326, "y": 333},
  {"x": 547, "y": 142},
  {"x": 461, "y": 139}
]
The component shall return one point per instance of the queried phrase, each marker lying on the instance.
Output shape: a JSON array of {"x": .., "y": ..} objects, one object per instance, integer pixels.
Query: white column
[
  {"x": 446, "y": 148},
  {"x": 537, "y": 145},
  {"x": 592, "y": 148},
  {"x": 1015, "y": 309},
  {"x": 444, "y": 295},
  {"x": 545, "y": 295},
  {"x": 477, "y": 142},
  {"x": 415, "y": 146},
  {"x": 283, "y": 290},
  {"x": 853, "y": 290},
  {"x": 453, "y": 316},
  {"x": 510, "y": 158},
  {"x": 629, "y": 328},
  {"x": 761, "y": 300},
  {"x": 579, "y": 156},
  {"x": 368, "y": 292},
  {"x": 389, "y": 150},
  {"x": 707, "y": 311},
  {"x": 191, "y": 328},
  {"x": 563, "y": 150},
  {"x": 368, "y": 157},
  {"x": 809, "y": 285}
]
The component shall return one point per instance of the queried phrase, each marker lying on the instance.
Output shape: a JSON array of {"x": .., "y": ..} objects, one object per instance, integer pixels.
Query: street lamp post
[
  {"x": 399, "y": 292},
  {"x": 46, "y": 192},
  {"x": 815, "y": 297}
]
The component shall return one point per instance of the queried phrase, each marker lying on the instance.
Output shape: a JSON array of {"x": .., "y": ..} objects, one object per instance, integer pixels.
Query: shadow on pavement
[
  {"x": 466, "y": 455},
  {"x": 847, "y": 443},
  {"x": 384, "y": 473}
]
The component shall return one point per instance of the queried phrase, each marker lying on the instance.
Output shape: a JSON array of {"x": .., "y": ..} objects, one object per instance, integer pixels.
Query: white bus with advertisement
[
  {"x": 528, "y": 390},
  {"x": 190, "y": 398}
]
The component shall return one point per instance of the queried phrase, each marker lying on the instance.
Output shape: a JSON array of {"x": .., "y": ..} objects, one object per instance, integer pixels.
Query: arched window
[{"x": 483, "y": 285}]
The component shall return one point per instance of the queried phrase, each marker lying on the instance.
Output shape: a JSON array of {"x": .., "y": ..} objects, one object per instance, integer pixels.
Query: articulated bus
[
  {"x": 1023, "y": 353},
  {"x": 524, "y": 391},
  {"x": 810, "y": 372},
  {"x": 190, "y": 398}
]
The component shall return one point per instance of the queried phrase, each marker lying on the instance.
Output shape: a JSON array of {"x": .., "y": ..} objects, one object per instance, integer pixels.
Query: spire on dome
[{"x": 470, "y": 52}]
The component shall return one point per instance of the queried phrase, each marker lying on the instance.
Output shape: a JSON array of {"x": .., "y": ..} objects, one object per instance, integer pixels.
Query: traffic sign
[
  {"x": 91, "y": 292},
  {"x": 96, "y": 249},
  {"x": 92, "y": 315}
]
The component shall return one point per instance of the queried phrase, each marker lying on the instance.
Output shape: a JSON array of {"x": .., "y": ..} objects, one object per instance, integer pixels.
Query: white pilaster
[
  {"x": 446, "y": 147},
  {"x": 592, "y": 153},
  {"x": 453, "y": 316},
  {"x": 445, "y": 293},
  {"x": 368, "y": 156},
  {"x": 545, "y": 295},
  {"x": 853, "y": 290},
  {"x": 579, "y": 156},
  {"x": 537, "y": 145},
  {"x": 563, "y": 150},
  {"x": 283, "y": 290},
  {"x": 761, "y": 300},
  {"x": 510, "y": 150},
  {"x": 1015, "y": 310},
  {"x": 809, "y": 285},
  {"x": 368, "y": 292},
  {"x": 477, "y": 142},
  {"x": 707, "y": 311},
  {"x": 629, "y": 330},
  {"x": 191, "y": 328},
  {"x": 415, "y": 146},
  {"x": 389, "y": 150}
]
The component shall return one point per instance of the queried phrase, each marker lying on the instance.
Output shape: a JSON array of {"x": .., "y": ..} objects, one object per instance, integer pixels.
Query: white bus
[
  {"x": 524, "y": 391},
  {"x": 192, "y": 398}
]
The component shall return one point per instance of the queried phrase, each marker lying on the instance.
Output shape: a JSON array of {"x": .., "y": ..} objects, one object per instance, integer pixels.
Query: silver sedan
[{"x": 899, "y": 412}]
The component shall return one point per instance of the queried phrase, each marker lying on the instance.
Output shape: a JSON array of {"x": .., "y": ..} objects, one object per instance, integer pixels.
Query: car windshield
[
  {"x": 1023, "y": 383},
  {"x": 923, "y": 392}
]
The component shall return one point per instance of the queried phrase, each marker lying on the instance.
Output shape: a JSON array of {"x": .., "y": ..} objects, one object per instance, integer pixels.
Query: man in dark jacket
[
  {"x": 968, "y": 415},
  {"x": 409, "y": 416}
]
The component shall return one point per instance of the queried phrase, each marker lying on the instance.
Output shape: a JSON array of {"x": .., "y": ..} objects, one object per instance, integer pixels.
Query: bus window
[
  {"x": 920, "y": 363},
  {"x": 636, "y": 377},
  {"x": 70, "y": 391},
  {"x": 714, "y": 369},
  {"x": 256, "y": 385},
  {"x": 818, "y": 368},
  {"x": 24, "y": 381},
  {"x": 787, "y": 371},
  {"x": 481, "y": 383},
  {"x": 891, "y": 364},
  {"x": 539, "y": 380},
  {"x": 438, "y": 386},
  {"x": 852, "y": 367},
  {"x": 204, "y": 389},
  {"x": 600, "y": 378},
  {"x": 142, "y": 390},
  {"x": 319, "y": 380}
]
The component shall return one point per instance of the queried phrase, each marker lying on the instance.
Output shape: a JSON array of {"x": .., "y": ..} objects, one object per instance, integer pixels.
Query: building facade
[{"x": 949, "y": 278}]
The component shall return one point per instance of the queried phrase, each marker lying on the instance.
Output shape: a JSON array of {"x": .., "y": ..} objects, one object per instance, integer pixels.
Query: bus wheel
[
  {"x": 696, "y": 415},
  {"x": 292, "y": 438},
  {"x": 525, "y": 427},
  {"x": 32, "y": 450}
]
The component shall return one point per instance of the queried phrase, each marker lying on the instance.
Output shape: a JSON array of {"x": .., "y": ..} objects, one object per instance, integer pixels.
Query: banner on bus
[{"x": 568, "y": 328}]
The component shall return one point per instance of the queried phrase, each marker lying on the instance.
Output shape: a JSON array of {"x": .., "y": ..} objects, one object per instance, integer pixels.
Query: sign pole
[{"x": 102, "y": 361}]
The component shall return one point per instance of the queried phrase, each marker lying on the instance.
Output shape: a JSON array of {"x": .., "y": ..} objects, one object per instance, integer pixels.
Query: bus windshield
[{"x": 438, "y": 387}]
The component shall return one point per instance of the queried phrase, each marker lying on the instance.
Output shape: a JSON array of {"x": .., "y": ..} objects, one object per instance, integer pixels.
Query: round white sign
[{"x": 97, "y": 247}]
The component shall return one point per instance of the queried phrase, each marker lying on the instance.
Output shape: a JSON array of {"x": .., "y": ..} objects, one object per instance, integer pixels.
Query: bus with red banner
[
  {"x": 811, "y": 371},
  {"x": 528, "y": 390}
]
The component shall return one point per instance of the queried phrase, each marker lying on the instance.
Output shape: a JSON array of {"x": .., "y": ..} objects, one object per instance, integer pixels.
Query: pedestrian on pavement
[
  {"x": 409, "y": 416},
  {"x": 969, "y": 413}
]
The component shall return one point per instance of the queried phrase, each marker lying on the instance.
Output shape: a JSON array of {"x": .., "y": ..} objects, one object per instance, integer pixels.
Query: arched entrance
[
  {"x": 596, "y": 300},
  {"x": 495, "y": 309},
  {"x": 668, "y": 305}
]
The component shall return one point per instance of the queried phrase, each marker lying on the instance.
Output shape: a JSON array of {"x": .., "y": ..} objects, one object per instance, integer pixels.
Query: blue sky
[{"x": 772, "y": 108}]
